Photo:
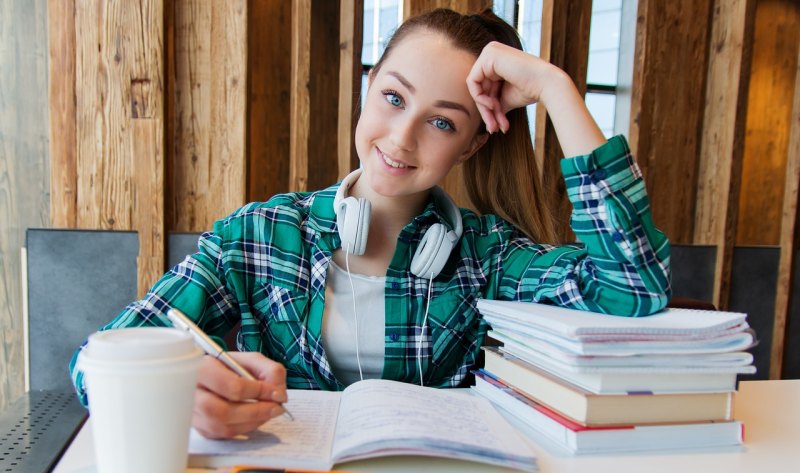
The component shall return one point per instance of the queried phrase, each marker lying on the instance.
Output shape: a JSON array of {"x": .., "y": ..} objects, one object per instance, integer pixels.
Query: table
[{"x": 770, "y": 411}]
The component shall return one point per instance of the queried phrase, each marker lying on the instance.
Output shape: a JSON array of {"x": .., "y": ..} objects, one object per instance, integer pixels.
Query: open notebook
[{"x": 372, "y": 418}]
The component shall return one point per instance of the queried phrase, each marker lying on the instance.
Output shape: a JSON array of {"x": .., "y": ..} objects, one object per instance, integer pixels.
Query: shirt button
[
  {"x": 395, "y": 285},
  {"x": 274, "y": 309},
  {"x": 393, "y": 336},
  {"x": 617, "y": 236}
]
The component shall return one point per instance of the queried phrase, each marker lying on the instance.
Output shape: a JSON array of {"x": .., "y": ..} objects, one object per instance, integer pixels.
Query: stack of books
[{"x": 595, "y": 383}]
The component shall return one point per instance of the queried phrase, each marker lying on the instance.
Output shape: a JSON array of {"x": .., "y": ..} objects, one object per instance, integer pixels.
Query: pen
[
  {"x": 210, "y": 347},
  {"x": 261, "y": 469}
]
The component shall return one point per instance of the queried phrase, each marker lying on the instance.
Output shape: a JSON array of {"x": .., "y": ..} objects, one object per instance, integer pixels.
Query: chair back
[{"x": 77, "y": 281}]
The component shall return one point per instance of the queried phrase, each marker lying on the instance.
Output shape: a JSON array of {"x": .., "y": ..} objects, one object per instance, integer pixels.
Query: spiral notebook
[{"x": 671, "y": 331}]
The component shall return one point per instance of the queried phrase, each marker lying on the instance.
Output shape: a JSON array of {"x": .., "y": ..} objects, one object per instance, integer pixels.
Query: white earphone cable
[
  {"x": 355, "y": 312},
  {"x": 422, "y": 331}
]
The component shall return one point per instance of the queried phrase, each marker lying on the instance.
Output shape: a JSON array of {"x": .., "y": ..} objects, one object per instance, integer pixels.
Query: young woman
[{"x": 378, "y": 276}]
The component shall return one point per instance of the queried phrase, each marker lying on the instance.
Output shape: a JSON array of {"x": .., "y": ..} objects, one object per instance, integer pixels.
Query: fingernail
[{"x": 279, "y": 396}]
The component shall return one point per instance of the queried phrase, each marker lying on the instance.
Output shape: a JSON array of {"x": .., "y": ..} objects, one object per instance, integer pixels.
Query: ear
[{"x": 479, "y": 140}]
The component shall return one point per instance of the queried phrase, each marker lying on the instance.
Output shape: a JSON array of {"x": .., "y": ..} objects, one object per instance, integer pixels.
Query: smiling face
[{"x": 419, "y": 119}]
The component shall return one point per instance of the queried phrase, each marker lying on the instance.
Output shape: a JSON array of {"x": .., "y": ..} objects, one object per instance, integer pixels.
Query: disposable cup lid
[{"x": 140, "y": 344}]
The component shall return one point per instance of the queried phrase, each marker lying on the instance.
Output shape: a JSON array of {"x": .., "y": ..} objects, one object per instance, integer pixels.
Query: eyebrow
[{"x": 439, "y": 103}]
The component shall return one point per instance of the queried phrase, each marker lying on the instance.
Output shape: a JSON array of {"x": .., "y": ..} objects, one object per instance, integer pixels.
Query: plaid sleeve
[
  {"x": 195, "y": 286},
  {"x": 620, "y": 266}
]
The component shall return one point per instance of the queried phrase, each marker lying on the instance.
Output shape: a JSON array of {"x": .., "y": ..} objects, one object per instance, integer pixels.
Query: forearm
[{"x": 575, "y": 128}]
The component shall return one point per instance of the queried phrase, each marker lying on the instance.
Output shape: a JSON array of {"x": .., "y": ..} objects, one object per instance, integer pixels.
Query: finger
[
  {"x": 502, "y": 122},
  {"x": 488, "y": 118},
  {"x": 219, "y": 379},
  {"x": 262, "y": 367},
  {"x": 266, "y": 370},
  {"x": 215, "y": 417}
]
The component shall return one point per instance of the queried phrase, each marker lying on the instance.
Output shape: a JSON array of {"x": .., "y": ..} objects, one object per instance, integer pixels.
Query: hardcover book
[
  {"x": 592, "y": 409},
  {"x": 577, "y": 438}
]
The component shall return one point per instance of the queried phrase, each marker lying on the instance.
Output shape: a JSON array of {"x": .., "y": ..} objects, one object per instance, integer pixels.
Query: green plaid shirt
[{"x": 265, "y": 266}]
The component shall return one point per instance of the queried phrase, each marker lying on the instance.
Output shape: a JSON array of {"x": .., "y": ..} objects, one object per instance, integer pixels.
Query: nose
[{"x": 403, "y": 133}]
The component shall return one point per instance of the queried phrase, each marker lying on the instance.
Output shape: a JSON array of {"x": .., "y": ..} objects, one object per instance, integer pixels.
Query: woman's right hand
[
  {"x": 504, "y": 78},
  {"x": 226, "y": 405}
]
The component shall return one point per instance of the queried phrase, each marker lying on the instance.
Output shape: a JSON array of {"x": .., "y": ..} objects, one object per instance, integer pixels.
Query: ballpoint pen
[
  {"x": 261, "y": 469},
  {"x": 210, "y": 347}
]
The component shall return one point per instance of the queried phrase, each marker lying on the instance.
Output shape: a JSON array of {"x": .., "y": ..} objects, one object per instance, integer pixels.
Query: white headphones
[{"x": 353, "y": 217}]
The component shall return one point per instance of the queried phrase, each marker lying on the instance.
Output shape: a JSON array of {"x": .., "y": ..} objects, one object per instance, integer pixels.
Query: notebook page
[
  {"x": 280, "y": 443},
  {"x": 380, "y": 417}
]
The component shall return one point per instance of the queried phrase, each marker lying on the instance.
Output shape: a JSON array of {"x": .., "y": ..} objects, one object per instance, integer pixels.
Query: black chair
[
  {"x": 77, "y": 281},
  {"x": 754, "y": 285},
  {"x": 179, "y": 245},
  {"x": 693, "y": 275}
]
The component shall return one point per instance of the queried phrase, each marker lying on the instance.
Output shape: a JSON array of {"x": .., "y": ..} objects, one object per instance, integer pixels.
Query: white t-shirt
[{"x": 338, "y": 324}]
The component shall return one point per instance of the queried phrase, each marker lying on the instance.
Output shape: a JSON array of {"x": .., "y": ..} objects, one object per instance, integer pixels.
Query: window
[
  {"x": 381, "y": 18},
  {"x": 601, "y": 77},
  {"x": 604, "y": 41},
  {"x": 529, "y": 25}
]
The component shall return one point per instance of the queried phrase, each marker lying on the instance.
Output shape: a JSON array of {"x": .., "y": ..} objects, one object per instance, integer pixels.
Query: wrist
[{"x": 558, "y": 86}]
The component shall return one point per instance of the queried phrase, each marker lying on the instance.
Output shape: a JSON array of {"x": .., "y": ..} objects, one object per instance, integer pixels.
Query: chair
[
  {"x": 693, "y": 269},
  {"x": 179, "y": 245},
  {"x": 754, "y": 284},
  {"x": 77, "y": 280},
  {"x": 791, "y": 350}
]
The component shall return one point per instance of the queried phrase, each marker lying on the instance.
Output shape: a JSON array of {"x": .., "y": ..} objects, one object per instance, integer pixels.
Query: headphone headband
[{"x": 353, "y": 217}]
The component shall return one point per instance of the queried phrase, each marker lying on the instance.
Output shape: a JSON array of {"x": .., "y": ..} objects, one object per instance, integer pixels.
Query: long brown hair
[{"x": 502, "y": 178}]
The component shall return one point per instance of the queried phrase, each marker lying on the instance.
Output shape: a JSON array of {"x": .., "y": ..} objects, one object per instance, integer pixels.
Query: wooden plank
[
  {"x": 721, "y": 144},
  {"x": 207, "y": 163},
  {"x": 268, "y": 66},
  {"x": 147, "y": 142},
  {"x": 788, "y": 237},
  {"x": 63, "y": 169},
  {"x": 24, "y": 183},
  {"x": 119, "y": 65},
  {"x": 300, "y": 115},
  {"x": 228, "y": 163},
  {"x": 189, "y": 69},
  {"x": 415, "y": 7},
  {"x": 350, "y": 43},
  {"x": 769, "y": 111},
  {"x": 565, "y": 43},
  {"x": 667, "y": 107},
  {"x": 322, "y": 165},
  {"x": 148, "y": 147}
]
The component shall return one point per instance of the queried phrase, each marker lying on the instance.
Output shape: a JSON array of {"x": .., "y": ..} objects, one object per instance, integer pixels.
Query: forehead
[{"x": 430, "y": 56}]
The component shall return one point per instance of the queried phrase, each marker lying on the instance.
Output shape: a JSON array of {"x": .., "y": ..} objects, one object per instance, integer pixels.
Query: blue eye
[
  {"x": 443, "y": 124},
  {"x": 393, "y": 98}
]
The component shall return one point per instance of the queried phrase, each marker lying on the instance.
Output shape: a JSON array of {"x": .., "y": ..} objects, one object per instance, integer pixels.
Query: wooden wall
[
  {"x": 169, "y": 114},
  {"x": 24, "y": 168},
  {"x": 108, "y": 99},
  {"x": 767, "y": 210}
]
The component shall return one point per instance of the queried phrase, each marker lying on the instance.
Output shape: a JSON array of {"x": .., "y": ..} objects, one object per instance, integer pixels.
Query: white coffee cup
[{"x": 140, "y": 384}]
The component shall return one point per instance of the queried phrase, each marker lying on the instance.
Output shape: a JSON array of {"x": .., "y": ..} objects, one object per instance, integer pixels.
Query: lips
[{"x": 392, "y": 163}]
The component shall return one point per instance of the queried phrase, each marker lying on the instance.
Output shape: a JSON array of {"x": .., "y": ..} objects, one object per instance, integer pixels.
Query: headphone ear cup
[
  {"x": 352, "y": 218},
  {"x": 433, "y": 251}
]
